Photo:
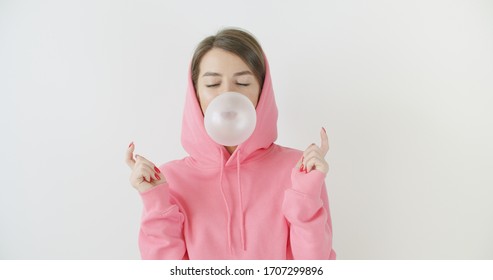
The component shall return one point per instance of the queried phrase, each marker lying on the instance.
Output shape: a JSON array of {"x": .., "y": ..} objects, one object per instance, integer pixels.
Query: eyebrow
[
  {"x": 214, "y": 74},
  {"x": 243, "y": 73},
  {"x": 211, "y": 74}
]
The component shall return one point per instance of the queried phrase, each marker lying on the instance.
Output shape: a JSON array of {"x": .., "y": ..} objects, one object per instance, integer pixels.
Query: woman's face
[{"x": 222, "y": 71}]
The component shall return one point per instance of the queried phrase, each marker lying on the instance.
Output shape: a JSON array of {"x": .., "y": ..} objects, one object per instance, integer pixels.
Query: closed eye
[
  {"x": 213, "y": 85},
  {"x": 243, "y": 85}
]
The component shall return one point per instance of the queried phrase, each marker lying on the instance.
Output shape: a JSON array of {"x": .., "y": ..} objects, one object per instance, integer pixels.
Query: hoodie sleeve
[
  {"x": 306, "y": 208},
  {"x": 161, "y": 229}
]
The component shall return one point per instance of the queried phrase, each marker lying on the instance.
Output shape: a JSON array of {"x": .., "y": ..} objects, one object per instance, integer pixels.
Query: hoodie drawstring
[
  {"x": 240, "y": 200},
  {"x": 228, "y": 229}
]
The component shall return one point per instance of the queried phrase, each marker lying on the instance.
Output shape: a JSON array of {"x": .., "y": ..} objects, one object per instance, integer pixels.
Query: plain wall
[{"x": 404, "y": 89}]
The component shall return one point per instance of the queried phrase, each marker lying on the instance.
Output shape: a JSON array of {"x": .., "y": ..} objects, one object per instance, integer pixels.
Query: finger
[
  {"x": 316, "y": 163},
  {"x": 313, "y": 153},
  {"x": 324, "y": 146},
  {"x": 309, "y": 150},
  {"x": 152, "y": 175},
  {"x": 142, "y": 160},
  {"x": 298, "y": 164},
  {"x": 142, "y": 172},
  {"x": 310, "y": 161},
  {"x": 129, "y": 159},
  {"x": 312, "y": 148},
  {"x": 139, "y": 177},
  {"x": 147, "y": 174}
]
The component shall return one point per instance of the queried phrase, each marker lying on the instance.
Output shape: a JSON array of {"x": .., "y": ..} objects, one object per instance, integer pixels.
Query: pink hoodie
[{"x": 252, "y": 204}]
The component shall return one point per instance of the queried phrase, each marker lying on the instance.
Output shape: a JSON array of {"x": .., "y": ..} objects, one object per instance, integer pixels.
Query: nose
[{"x": 227, "y": 87}]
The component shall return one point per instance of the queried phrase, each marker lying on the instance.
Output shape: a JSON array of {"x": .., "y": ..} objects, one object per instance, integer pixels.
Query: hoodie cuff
[
  {"x": 308, "y": 183},
  {"x": 156, "y": 198}
]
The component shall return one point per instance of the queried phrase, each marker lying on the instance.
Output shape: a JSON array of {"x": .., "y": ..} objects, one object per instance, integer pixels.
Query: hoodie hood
[{"x": 206, "y": 153}]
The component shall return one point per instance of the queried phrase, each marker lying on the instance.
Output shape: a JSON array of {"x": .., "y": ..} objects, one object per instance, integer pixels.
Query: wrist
[{"x": 308, "y": 183}]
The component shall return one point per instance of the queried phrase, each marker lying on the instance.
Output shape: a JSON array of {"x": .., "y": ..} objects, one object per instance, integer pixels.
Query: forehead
[{"x": 221, "y": 61}]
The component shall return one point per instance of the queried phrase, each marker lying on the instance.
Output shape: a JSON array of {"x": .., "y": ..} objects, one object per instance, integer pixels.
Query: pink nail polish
[
  {"x": 301, "y": 167},
  {"x": 157, "y": 169},
  {"x": 157, "y": 176}
]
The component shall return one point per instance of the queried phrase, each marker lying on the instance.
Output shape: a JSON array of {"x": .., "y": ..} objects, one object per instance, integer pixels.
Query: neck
[{"x": 231, "y": 149}]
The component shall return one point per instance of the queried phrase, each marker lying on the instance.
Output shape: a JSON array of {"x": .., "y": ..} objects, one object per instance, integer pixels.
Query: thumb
[
  {"x": 324, "y": 143},
  {"x": 129, "y": 156}
]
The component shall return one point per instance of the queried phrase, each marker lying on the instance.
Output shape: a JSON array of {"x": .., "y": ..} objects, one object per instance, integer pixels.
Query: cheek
[
  {"x": 205, "y": 97},
  {"x": 254, "y": 97}
]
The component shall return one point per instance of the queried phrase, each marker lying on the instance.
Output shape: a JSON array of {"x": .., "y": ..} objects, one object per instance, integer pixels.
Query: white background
[{"x": 404, "y": 89}]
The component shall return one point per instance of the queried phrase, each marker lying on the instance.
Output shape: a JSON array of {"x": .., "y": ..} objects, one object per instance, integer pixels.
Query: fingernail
[
  {"x": 324, "y": 130},
  {"x": 301, "y": 167},
  {"x": 157, "y": 176},
  {"x": 157, "y": 169},
  {"x": 131, "y": 143}
]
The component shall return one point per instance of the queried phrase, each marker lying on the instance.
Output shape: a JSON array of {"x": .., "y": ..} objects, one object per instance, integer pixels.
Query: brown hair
[{"x": 238, "y": 42}]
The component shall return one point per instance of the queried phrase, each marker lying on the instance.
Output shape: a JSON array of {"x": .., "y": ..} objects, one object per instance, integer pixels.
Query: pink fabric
[{"x": 252, "y": 204}]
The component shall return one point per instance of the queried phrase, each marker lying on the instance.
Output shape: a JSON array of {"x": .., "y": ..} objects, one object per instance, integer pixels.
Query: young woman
[{"x": 257, "y": 200}]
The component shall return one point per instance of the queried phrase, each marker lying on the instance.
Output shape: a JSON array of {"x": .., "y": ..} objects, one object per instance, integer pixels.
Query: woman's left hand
[{"x": 314, "y": 156}]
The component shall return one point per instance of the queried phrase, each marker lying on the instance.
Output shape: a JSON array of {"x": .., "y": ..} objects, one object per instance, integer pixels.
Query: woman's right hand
[{"x": 145, "y": 175}]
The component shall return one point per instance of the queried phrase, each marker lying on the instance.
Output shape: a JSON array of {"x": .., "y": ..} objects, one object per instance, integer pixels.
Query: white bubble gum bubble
[{"x": 230, "y": 119}]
